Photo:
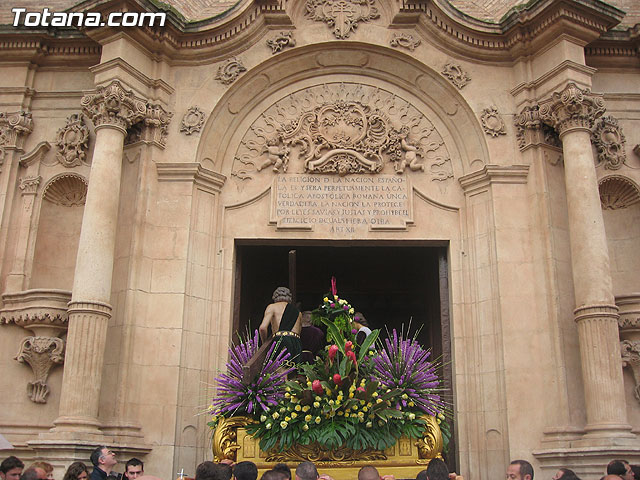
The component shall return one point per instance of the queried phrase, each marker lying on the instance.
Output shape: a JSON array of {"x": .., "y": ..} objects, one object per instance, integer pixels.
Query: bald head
[{"x": 368, "y": 473}]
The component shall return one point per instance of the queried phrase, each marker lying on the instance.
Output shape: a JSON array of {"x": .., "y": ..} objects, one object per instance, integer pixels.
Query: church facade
[{"x": 150, "y": 174}]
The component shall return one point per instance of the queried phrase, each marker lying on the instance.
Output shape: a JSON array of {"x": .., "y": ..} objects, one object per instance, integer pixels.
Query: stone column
[
  {"x": 572, "y": 113},
  {"x": 112, "y": 110}
]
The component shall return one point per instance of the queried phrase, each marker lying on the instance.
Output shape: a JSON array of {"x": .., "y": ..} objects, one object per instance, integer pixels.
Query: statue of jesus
[{"x": 285, "y": 321}]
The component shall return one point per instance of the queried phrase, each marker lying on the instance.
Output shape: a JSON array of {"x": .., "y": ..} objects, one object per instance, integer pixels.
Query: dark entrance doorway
[{"x": 392, "y": 285}]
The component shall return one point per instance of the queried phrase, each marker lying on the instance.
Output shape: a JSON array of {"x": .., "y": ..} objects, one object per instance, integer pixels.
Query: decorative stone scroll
[
  {"x": 72, "y": 142},
  {"x": 404, "y": 40},
  {"x": 492, "y": 123},
  {"x": 573, "y": 107},
  {"x": 280, "y": 41},
  {"x": 14, "y": 128},
  {"x": 342, "y": 129},
  {"x": 192, "y": 121},
  {"x": 41, "y": 353},
  {"x": 230, "y": 70},
  {"x": 609, "y": 140},
  {"x": 342, "y": 16},
  {"x": 114, "y": 105},
  {"x": 617, "y": 192},
  {"x": 456, "y": 75}
]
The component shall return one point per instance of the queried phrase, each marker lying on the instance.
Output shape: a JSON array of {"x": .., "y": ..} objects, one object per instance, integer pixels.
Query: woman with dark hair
[
  {"x": 565, "y": 474},
  {"x": 76, "y": 471},
  {"x": 363, "y": 327}
]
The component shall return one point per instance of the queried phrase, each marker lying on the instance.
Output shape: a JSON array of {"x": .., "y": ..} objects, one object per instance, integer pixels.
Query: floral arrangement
[{"x": 353, "y": 396}]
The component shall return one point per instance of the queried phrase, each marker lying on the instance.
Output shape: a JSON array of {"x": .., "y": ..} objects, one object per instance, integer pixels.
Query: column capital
[
  {"x": 114, "y": 106},
  {"x": 14, "y": 128},
  {"x": 29, "y": 185},
  {"x": 572, "y": 108}
]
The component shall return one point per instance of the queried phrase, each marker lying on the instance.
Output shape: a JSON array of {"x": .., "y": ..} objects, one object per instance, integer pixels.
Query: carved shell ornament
[
  {"x": 617, "y": 192},
  {"x": 342, "y": 129}
]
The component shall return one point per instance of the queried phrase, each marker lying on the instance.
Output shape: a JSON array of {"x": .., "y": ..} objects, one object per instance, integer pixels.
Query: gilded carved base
[{"x": 405, "y": 459}]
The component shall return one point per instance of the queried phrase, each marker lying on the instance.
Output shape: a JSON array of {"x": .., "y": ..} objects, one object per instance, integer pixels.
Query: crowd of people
[{"x": 103, "y": 462}]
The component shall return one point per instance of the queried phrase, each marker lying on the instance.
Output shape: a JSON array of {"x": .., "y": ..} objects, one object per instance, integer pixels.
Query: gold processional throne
[{"x": 403, "y": 460}]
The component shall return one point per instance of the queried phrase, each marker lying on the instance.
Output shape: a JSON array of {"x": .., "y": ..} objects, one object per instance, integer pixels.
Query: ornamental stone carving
[
  {"x": 113, "y": 105},
  {"x": 456, "y": 75},
  {"x": 192, "y": 121},
  {"x": 14, "y": 128},
  {"x": 571, "y": 108},
  {"x": 29, "y": 185},
  {"x": 282, "y": 40},
  {"x": 530, "y": 130},
  {"x": 72, "y": 142},
  {"x": 492, "y": 122},
  {"x": 342, "y": 16},
  {"x": 609, "y": 140},
  {"x": 342, "y": 129},
  {"x": 631, "y": 358},
  {"x": 67, "y": 190},
  {"x": 404, "y": 40},
  {"x": 155, "y": 125},
  {"x": 617, "y": 192},
  {"x": 230, "y": 70},
  {"x": 41, "y": 353}
]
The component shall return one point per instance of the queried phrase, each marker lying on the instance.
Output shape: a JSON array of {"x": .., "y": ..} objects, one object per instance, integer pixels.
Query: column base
[{"x": 76, "y": 424}]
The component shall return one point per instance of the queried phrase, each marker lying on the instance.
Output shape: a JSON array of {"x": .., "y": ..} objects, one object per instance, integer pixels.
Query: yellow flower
[
  {"x": 342, "y": 301},
  {"x": 305, "y": 427},
  {"x": 379, "y": 400},
  {"x": 263, "y": 418},
  {"x": 352, "y": 388},
  {"x": 351, "y": 311},
  {"x": 275, "y": 415},
  {"x": 294, "y": 415},
  {"x": 362, "y": 382},
  {"x": 331, "y": 402},
  {"x": 365, "y": 409},
  {"x": 309, "y": 383},
  {"x": 306, "y": 408},
  {"x": 287, "y": 395},
  {"x": 318, "y": 398},
  {"x": 362, "y": 402},
  {"x": 335, "y": 297},
  {"x": 338, "y": 402},
  {"x": 288, "y": 389},
  {"x": 369, "y": 404},
  {"x": 284, "y": 424},
  {"x": 355, "y": 407},
  {"x": 404, "y": 396},
  {"x": 347, "y": 414},
  {"x": 329, "y": 392},
  {"x": 350, "y": 394},
  {"x": 268, "y": 426},
  {"x": 340, "y": 412},
  {"x": 361, "y": 414},
  {"x": 374, "y": 394},
  {"x": 411, "y": 404},
  {"x": 318, "y": 420},
  {"x": 308, "y": 418},
  {"x": 298, "y": 408},
  {"x": 369, "y": 425},
  {"x": 325, "y": 300},
  {"x": 287, "y": 419},
  {"x": 371, "y": 353},
  {"x": 412, "y": 416},
  {"x": 316, "y": 404}
]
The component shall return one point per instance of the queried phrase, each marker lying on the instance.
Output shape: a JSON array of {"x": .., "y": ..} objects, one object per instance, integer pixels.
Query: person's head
[
  {"x": 620, "y": 468},
  {"x": 31, "y": 474},
  {"x": 272, "y": 475},
  {"x": 134, "y": 468},
  {"x": 636, "y": 471},
  {"x": 282, "y": 294},
  {"x": 359, "y": 320},
  {"x": 519, "y": 470},
  {"x": 213, "y": 471},
  {"x": 46, "y": 466},
  {"x": 306, "y": 321},
  {"x": 437, "y": 470},
  {"x": 563, "y": 472},
  {"x": 368, "y": 472},
  {"x": 76, "y": 471},
  {"x": 306, "y": 471},
  {"x": 422, "y": 475},
  {"x": 103, "y": 458},
  {"x": 11, "y": 468},
  {"x": 245, "y": 471},
  {"x": 282, "y": 467}
]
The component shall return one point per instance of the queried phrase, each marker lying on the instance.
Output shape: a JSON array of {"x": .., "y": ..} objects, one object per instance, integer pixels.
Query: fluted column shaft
[
  {"x": 112, "y": 109},
  {"x": 572, "y": 113}
]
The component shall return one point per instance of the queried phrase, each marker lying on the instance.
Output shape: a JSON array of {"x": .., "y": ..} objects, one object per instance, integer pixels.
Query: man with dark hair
[
  {"x": 422, "y": 475},
  {"x": 11, "y": 468},
  {"x": 282, "y": 468},
  {"x": 437, "y": 470},
  {"x": 245, "y": 471},
  {"x": 30, "y": 474},
  {"x": 103, "y": 461},
  {"x": 272, "y": 475},
  {"x": 133, "y": 469},
  {"x": 620, "y": 468},
  {"x": 519, "y": 470},
  {"x": 307, "y": 471},
  {"x": 213, "y": 471}
]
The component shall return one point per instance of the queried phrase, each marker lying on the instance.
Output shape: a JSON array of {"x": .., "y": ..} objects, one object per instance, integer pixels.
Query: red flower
[
  {"x": 317, "y": 387},
  {"x": 348, "y": 345},
  {"x": 360, "y": 389},
  {"x": 333, "y": 350},
  {"x": 337, "y": 379},
  {"x": 352, "y": 357}
]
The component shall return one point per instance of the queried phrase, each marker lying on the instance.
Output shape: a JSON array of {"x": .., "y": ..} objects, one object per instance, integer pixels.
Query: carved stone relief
[
  {"x": 342, "y": 129},
  {"x": 342, "y": 15},
  {"x": 609, "y": 140},
  {"x": 114, "y": 105},
  {"x": 456, "y": 75},
  {"x": 29, "y": 185},
  {"x": 14, "y": 127},
  {"x": 192, "y": 121},
  {"x": 404, "y": 40},
  {"x": 41, "y": 353},
  {"x": 530, "y": 130},
  {"x": 152, "y": 128},
  {"x": 68, "y": 190},
  {"x": 72, "y": 142},
  {"x": 280, "y": 41},
  {"x": 617, "y": 192},
  {"x": 230, "y": 70},
  {"x": 492, "y": 122},
  {"x": 570, "y": 108}
]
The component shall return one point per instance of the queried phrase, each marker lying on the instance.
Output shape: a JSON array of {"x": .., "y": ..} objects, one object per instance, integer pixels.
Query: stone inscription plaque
[{"x": 348, "y": 205}]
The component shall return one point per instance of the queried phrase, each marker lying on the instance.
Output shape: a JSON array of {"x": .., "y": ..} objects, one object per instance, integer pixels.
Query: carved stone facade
[
  {"x": 456, "y": 74},
  {"x": 492, "y": 122},
  {"x": 610, "y": 142},
  {"x": 343, "y": 17},
  {"x": 571, "y": 108},
  {"x": 41, "y": 353},
  {"x": 405, "y": 40},
  {"x": 72, "y": 142},
  {"x": 114, "y": 105},
  {"x": 192, "y": 121},
  {"x": 13, "y": 128},
  {"x": 281, "y": 41},
  {"x": 230, "y": 70}
]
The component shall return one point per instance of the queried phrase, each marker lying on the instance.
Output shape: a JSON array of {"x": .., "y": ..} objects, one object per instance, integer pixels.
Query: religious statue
[
  {"x": 285, "y": 321},
  {"x": 276, "y": 155}
]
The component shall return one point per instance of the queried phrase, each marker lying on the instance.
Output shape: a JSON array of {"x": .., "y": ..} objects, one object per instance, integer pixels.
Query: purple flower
[
  {"x": 332, "y": 305},
  {"x": 345, "y": 307},
  {"x": 354, "y": 330}
]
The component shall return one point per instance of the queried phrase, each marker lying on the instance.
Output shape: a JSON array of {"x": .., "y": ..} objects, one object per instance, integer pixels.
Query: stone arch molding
[{"x": 336, "y": 108}]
